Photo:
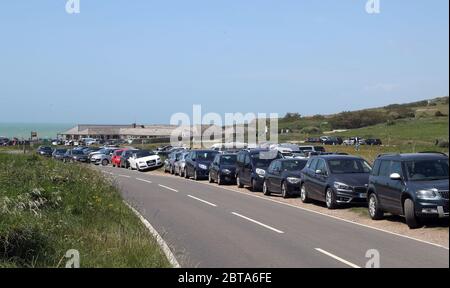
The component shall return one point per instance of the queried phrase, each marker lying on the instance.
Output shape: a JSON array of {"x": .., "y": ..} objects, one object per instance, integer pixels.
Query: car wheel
[
  {"x": 254, "y": 186},
  {"x": 186, "y": 174},
  {"x": 210, "y": 179},
  {"x": 284, "y": 190},
  {"x": 219, "y": 179},
  {"x": 172, "y": 171},
  {"x": 105, "y": 162},
  {"x": 266, "y": 190},
  {"x": 238, "y": 182},
  {"x": 330, "y": 199},
  {"x": 195, "y": 175},
  {"x": 410, "y": 214},
  {"x": 304, "y": 194},
  {"x": 374, "y": 208}
]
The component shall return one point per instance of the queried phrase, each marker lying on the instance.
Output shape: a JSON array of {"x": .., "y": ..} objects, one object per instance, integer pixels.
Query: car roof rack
[
  {"x": 387, "y": 154},
  {"x": 433, "y": 152}
]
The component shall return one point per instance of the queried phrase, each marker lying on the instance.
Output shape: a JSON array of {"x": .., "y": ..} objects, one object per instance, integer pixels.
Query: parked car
[
  {"x": 45, "y": 151},
  {"x": 126, "y": 154},
  {"x": 115, "y": 159},
  {"x": 312, "y": 148},
  {"x": 142, "y": 160},
  {"x": 74, "y": 155},
  {"x": 251, "y": 167},
  {"x": 180, "y": 163},
  {"x": 169, "y": 163},
  {"x": 313, "y": 140},
  {"x": 223, "y": 169},
  {"x": 283, "y": 177},
  {"x": 332, "y": 141},
  {"x": 103, "y": 156},
  {"x": 373, "y": 142},
  {"x": 58, "y": 154},
  {"x": 198, "y": 163},
  {"x": 4, "y": 141},
  {"x": 335, "y": 180},
  {"x": 413, "y": 185}
]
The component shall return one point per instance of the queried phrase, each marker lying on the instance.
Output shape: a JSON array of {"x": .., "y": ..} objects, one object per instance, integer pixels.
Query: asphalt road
[{"x": 209, "y": 226}]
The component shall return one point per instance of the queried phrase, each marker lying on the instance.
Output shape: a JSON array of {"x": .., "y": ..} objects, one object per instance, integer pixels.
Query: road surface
[{"x": 209, "y": 226}]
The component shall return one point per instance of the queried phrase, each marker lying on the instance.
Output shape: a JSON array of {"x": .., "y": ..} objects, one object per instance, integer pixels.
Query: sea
[{"x": 23, "y": 130}]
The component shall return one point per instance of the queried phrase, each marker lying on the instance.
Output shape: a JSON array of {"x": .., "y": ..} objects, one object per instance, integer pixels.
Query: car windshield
[
  {"x": 293, "y": 165},
  {"x": 46, "y": 148},
  {"x": 60, "y": 151},
  {"x": 348, "y": 166},
  {"x": 77, "y": 152},
  {"x": 207, "y": 155},
  {"x": 264, "y": 158},
  {"x": 143, "y": 154},
  {"x": 423, "y": 170},
  {"x": 228, "y": 159}
]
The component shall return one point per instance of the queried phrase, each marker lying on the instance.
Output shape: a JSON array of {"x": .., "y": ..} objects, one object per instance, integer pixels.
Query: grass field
[{"x": 47, "y": 208}]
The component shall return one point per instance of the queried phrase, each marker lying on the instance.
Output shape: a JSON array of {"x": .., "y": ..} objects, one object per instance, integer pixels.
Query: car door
[
  {"x": 394, "y": 188},
  {"x": 271, "y": 175},
  {"x": 318, "y": 180},
  {"x": 215, "y": 166},
  {"x": 307, "y": 176},
  {"x": 277, "y": 177},
  {"x": 381, "y": 183},
  {"x": 247, "y": 169}
]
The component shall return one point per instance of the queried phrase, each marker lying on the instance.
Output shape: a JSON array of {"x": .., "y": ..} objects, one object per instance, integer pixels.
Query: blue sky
[{"x": 121, "y": 61}]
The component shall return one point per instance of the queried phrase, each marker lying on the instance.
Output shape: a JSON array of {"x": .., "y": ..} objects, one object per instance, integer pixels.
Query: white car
[{"x": 142, "y": 160}]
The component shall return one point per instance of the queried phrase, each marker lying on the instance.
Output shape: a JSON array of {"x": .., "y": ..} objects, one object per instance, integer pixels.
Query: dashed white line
[
  {"x": 168, "y": 188},
  {"x": 201, "y": 200},
  {"x": 337, "y": 258},
  {"x": 257, "y": 222},
  {"x": 143, "y": 180}
]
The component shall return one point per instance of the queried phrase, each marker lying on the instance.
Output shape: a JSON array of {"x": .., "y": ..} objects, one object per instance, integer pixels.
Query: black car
[
  {"x": 126, "y": 154},
  {"x": 45, "y": 151},
  {"x": 413, "y": 185},
  {"x": 333, "y": 141},
  {"x": 198, "y": 163},
  {"x": 4, "y": 141},
  {"x": 251, "y": 167},
  {"x": 373, "y": 142},
  {"x": 335, "y": 180},
  {"x": 283, "y": 177},
  {"x": 58, "y": 154},
  {"x": 223, "y": 169},
  {"x": 75, "y": 155}
]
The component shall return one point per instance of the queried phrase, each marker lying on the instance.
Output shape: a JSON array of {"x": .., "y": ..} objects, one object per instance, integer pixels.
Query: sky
[{"x": 125, "y": 61}]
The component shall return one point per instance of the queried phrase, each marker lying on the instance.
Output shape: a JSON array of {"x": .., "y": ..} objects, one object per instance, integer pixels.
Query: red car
[{"x": 115, "y": 159}]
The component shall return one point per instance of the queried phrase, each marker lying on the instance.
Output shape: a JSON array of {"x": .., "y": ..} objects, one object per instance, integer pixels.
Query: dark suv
[
  {"x": 335, "y": 179},
  {"x": 198, "y": 163},
  {"x": 251, "y": 167},
  {"x": 413, "y": 185}
]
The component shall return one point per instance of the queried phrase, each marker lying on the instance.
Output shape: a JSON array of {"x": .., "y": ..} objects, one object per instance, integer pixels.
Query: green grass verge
[{"x": 47, "y": 208}]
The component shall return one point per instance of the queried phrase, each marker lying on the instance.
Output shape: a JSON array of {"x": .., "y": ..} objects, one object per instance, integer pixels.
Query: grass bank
[{"x": 47, "y": 208}]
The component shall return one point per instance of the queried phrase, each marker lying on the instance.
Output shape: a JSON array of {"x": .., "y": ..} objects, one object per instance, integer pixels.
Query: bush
[
  {"x": 443, "y": 144},
  {"x": 439, "y": 114},
  {"x": 311, "y": 130}
]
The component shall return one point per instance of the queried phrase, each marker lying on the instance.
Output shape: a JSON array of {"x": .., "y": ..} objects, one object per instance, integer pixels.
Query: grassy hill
[{"x": 407, "y": 127}]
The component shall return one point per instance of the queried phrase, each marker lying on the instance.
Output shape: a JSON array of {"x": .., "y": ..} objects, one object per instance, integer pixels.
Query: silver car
[
  {"x": 179, "y": 164},
  {"x": 102, "y": 156}
]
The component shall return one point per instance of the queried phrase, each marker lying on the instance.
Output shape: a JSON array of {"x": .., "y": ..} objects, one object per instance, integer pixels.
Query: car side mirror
[
  {"x": 396, "y": 176},
  {"x": 320, "y": 172}
]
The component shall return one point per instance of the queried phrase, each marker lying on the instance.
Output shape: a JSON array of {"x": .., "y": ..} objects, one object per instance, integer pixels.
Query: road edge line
[{"x": 161, "y": 242}]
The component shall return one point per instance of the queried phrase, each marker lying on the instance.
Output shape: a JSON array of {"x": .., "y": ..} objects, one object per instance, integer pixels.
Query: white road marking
[
  {"x": 125, "y": 176},
  {"x": 170, "y": 256},
  {"x": 143, "y": 180},
  {"x": 257, "y": 222},
  {"x": 337, "y": 258},
  {"x": 201, "y": 200},
  {"x": 327, "y": 215},
  {"x": 168, "y": 188}
]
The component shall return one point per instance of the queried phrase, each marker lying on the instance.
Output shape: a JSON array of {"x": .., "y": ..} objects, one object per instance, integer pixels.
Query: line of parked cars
[
  {"x": 411, "y": 185},
  {"x": 333, "y": 140}
]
